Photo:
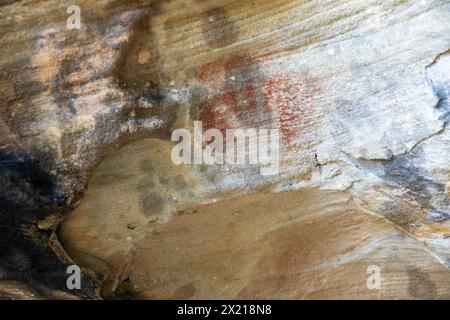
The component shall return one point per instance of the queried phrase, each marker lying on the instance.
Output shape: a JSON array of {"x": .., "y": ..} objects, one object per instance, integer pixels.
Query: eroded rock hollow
[{"x": 91, "y": 93}]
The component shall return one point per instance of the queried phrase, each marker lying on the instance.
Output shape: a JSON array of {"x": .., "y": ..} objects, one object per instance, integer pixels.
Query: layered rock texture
[{"x": 358, "y": 90}]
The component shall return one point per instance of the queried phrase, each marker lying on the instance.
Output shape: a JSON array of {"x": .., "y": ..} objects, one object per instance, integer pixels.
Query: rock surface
[
  {"x": 292, "y": 245},
  {"x": 358, "y": 90}
]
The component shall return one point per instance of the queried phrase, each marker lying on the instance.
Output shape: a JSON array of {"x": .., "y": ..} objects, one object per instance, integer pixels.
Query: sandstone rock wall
[{"x": 358, "y": 89}]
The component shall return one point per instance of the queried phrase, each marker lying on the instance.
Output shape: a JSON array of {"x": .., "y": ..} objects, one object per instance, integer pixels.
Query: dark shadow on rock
[{"x": 27, "y": 195}]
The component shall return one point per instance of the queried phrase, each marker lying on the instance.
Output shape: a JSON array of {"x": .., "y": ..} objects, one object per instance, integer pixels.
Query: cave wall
[{"x": 359, "y": 91}]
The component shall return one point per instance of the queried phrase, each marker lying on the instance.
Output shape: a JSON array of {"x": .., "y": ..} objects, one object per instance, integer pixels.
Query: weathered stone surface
[
  {"x": 290, "y": 245},
  {"x": 359, "y": 91}
]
